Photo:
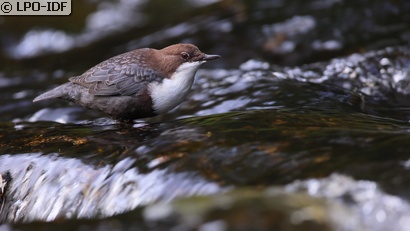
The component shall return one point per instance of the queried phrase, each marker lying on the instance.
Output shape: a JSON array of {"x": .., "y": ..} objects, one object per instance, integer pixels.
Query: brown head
[{"x": 174, "y": 56}]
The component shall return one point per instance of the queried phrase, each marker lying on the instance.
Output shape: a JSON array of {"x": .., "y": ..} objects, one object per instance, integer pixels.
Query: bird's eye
[{"x": 184, "y": 56}]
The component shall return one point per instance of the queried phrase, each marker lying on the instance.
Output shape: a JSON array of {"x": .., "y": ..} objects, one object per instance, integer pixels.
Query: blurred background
[{"x": 290, "y": 32}]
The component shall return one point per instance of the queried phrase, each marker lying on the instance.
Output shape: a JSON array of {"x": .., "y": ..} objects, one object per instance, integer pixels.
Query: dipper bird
[{"x": 141, "y": 83}]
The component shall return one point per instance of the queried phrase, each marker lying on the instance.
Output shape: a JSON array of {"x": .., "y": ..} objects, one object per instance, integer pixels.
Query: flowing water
[{"x": 314, "y": 137}]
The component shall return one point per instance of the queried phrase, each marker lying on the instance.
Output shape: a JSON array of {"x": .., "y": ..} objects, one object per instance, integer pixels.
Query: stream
[{"x": 302, "y": 124}]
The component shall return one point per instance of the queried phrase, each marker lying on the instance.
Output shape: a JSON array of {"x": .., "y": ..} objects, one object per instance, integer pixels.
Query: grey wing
[{"x": 117, "y": 80}]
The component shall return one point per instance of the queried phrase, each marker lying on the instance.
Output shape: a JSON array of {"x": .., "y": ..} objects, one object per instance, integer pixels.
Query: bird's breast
[{"x": 171, "y": 92}]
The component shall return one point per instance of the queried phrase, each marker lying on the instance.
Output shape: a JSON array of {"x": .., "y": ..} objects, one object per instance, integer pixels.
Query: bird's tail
[{"x": 57, "y": 92}]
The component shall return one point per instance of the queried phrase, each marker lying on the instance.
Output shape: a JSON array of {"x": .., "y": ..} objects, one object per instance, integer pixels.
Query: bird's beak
[{"x": 210, "y": 57}]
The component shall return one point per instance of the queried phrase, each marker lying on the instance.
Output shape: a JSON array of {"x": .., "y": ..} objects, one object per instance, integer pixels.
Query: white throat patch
[{"x": 171, "y": 92}]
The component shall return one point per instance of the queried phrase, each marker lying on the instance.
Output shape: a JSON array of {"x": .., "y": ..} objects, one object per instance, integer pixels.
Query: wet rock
[{"x": 106, "y": 170}]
